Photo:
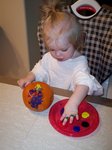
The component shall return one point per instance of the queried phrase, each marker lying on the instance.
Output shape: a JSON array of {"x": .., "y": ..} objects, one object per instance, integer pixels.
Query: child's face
[{"x": 61, "y": 49}]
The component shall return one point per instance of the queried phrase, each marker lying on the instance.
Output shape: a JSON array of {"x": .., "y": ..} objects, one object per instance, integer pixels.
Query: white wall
[{"x": 14, "y": 59}]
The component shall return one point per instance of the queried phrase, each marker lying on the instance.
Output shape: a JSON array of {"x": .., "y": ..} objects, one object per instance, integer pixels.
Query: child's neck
[{"x": 76, "y": 54}]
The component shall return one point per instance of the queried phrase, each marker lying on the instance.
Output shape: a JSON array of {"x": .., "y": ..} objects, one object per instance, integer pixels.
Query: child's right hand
[{"x": 23, "y": 83}]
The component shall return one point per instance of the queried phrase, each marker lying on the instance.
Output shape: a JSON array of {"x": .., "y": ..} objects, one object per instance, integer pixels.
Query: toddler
[{"x": 63, "y": 66}]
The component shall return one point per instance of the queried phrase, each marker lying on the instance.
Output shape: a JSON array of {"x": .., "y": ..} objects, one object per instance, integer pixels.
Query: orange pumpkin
[{"x": 37, "y": 96}]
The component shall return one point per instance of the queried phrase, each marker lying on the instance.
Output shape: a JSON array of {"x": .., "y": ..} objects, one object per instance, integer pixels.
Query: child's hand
[
  {"x": 71, "y": 107},
  {"x": 70, "y": 111},
  {"x": 23, "y": 83},
  {"x": 26, "y": 80}
]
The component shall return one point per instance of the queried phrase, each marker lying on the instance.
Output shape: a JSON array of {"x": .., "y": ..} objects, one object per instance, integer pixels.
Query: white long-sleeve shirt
[{"x": 66, "y": 74}]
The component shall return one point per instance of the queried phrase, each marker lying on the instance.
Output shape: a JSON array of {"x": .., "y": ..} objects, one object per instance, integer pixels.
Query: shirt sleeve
[
  {"x": 40, "y": 71},
  {"x": 84, "y": 78}
]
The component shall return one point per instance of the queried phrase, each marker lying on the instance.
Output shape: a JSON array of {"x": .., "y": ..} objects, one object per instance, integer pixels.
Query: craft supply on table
[
  {"x": 38, "y": 96},
  {"x": 87, "y": 123}
]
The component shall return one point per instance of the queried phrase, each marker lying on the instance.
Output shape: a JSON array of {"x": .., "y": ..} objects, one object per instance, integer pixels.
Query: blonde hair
[{"x": 57, "y": 22}]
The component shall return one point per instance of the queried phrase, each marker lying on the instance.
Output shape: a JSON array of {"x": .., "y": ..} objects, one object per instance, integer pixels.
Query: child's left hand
[
  {"x": 70, "y": 111},
  {"x": 71, "y": 107}
]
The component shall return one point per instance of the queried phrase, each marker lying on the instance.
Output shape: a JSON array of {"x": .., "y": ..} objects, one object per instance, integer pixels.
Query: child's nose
[{"x": 58, "y": 53}]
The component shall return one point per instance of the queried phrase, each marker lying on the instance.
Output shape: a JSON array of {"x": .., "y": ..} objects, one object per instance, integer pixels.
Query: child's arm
[
  {"x": 26, "y": 80},
  {"x": 71, "y": 108}
]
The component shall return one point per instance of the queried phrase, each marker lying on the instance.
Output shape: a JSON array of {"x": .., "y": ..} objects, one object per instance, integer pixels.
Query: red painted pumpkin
[{"x": 37, "y": 96}]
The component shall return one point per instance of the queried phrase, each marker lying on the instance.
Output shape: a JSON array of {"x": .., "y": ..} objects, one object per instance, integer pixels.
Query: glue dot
[
  {"x": 85, "y": 115},
  {"x": 85, "y": 124},
  {"x": 76, "y": 128},
  {"x": 62, "y": 110}
]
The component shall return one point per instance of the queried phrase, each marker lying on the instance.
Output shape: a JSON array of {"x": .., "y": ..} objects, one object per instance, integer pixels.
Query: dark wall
[
  {"x": 107, "y": 2},
  {"x": 32, "y": 10}
]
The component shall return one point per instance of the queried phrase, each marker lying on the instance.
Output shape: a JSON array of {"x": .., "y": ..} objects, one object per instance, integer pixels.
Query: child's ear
[{"x": 82, "y": 40}]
